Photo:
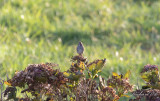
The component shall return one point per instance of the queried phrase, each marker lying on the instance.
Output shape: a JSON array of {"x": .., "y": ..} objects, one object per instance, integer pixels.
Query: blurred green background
[{"x": 125, "y": 32}]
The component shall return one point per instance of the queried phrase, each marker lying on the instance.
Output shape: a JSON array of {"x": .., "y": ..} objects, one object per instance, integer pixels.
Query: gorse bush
[{"x": 81, "y": 82}]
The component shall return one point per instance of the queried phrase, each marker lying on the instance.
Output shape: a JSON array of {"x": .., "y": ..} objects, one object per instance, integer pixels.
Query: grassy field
[{"x": 125, "y": 32}]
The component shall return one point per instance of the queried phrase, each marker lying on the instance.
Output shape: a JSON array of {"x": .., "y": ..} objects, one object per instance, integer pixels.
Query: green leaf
[
  {"x": 116, "y": 75},
  {"x": 96, "y": 66},
  {"x": 126, "y": 76},
  {"x": 73, "y": 76},
  {"x": 66, "y": 74},
  {"x": 125, "y": 95}
]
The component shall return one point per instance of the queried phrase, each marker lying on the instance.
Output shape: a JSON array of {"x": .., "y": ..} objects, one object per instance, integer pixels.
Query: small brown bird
[{"x": 80, "y": 48}]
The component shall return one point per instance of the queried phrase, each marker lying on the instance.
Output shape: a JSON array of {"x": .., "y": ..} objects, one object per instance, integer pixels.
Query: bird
[{"x": 80, "y": 48}]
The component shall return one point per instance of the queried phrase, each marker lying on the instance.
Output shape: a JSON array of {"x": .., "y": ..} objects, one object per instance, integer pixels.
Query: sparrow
[{"x": 80, "y": 48}]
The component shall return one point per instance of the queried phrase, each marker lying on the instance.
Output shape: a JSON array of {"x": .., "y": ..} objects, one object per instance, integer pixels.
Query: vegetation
[
  {"x": 79, "y": 83},
  {"x": 150, "y": 91},
  {"x": 47, "y": 84},
  {"x": 126, "y": 33}
]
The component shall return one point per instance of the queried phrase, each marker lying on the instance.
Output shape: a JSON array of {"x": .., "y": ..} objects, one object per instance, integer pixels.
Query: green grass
[{"x": 126, "y": 33}]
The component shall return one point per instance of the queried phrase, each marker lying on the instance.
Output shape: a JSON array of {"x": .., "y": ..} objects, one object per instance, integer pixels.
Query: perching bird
[{"x": 80, "y": 48}]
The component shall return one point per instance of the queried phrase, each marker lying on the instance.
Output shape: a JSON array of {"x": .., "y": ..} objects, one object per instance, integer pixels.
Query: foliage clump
[
  {"x": 120, "y": 83},
  {"x": 78, "y": 83},
  {"x": 150, "y": 91},
  {"x": 39, "y": 79}
]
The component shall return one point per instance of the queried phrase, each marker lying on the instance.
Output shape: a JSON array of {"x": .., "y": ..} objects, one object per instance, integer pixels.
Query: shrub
[
  {"x": 78, "y": 83},
  {"x": 150, "y": 91}
]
